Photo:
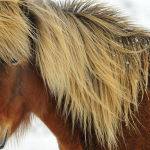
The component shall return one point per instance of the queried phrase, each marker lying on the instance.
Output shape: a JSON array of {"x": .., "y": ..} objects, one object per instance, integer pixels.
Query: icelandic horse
[{"x": 81, "y": 68}]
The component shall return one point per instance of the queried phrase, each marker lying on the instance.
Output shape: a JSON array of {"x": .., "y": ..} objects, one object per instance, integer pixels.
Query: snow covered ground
[{"x": 38, "y": 136}]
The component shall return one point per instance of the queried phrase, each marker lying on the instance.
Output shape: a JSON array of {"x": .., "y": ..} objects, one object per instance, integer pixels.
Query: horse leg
[
  {"x": 61, "y": 129},
  {"x": 66, "y": 147},
  {"x": 43, "y": 105}
]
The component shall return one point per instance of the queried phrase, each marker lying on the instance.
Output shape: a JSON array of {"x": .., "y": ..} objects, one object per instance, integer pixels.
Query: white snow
[
  {"x": 39, "y": 137},
  {"x": 138, "y": 10}
]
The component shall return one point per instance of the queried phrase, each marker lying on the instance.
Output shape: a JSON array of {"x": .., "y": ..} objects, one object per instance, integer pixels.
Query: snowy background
[{"x": 38, "y": 136}]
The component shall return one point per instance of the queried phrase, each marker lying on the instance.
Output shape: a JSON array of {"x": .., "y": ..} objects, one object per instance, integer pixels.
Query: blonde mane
[
  {"x": 93, "y": 61},
  {"x": 14, "y": 33}
]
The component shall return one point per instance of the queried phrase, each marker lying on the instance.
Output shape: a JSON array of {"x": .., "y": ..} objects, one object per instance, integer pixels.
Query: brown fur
[
  {"x": 75, "y": 53},
  {"x": 84, "y": 61}
]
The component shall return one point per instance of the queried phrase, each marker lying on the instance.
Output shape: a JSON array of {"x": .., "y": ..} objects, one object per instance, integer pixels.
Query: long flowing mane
[
  {"x": 14, "y": 31},
  {"x": 93, "y": 61}
]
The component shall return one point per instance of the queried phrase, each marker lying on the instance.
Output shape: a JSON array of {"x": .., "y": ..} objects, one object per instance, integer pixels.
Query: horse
[{"x": 81, "y": 68}]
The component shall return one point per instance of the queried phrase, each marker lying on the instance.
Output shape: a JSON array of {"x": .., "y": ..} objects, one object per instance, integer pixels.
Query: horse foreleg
[
  {"x": 69, "y": 146},
  {"x": 62, "y": 130},
  {"x": 43, "y": 105}
]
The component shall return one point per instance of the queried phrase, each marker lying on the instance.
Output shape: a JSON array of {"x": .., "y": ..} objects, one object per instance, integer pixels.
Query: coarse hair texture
[
  {"x": 14, "y": 33},
  {"x": 93, "y": 61}
]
